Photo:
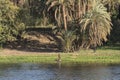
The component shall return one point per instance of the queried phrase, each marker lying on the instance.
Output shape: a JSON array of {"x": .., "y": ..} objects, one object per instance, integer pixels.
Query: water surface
[{"x": 54, "y": 72}]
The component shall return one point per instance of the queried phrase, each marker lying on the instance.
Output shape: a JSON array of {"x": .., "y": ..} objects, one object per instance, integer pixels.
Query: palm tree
[
  {"x": 111, "y": 4},
  {"x": 89, "y": 17},
  {"x": 95, "y": 25},
  {"x": 81, "y": 7},
  {"x": 62, "y": 9}
]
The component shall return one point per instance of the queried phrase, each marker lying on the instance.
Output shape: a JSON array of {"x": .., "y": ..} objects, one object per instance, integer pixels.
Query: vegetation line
[{"x": 88, "y": 57}]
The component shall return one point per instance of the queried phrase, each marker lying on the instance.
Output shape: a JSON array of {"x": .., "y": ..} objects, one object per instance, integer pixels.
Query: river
[{"x": 30, "y": 71}]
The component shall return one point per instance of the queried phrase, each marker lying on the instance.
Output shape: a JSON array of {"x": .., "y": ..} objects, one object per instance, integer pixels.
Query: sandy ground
[
  {"x": 32, "y": 43},
  {"x": 9, "y": 52}
]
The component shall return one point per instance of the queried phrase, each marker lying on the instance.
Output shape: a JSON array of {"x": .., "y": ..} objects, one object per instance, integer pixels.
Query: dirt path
[{"x": 7, "y": 52}]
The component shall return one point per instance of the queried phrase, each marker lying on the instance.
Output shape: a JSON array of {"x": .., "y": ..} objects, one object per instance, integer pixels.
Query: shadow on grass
[{"x": 111, "y": 47}]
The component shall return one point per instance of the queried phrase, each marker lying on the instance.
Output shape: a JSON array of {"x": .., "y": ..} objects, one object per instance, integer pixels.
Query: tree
[
  {"x": 81, "y": 7},
  {"x": 9, "y": 25},
  {"x": 110, "y": 4},
  {"x": 89, "y": 20},
  {"x": 62, "y": 10},
  {"x": 95, "y": 25}
]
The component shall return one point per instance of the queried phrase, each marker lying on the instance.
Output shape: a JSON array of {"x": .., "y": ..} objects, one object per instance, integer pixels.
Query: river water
[{"x": 54, "y": 72}]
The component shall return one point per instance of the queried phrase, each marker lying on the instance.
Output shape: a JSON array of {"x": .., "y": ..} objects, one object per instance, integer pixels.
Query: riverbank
[{"x": 101, "y": 56}]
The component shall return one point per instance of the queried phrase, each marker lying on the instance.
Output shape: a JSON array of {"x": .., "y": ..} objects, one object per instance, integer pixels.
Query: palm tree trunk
[
  {"x": 64, "y": 18},
  {"x": 79, "y": 9}
]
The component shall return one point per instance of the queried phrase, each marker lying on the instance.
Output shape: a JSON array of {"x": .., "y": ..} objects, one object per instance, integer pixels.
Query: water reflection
[{"x": 58, "y": 72}]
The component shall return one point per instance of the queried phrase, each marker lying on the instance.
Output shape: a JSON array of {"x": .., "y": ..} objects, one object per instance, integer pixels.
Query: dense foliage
[
  {"x": 80, "y": 23},
  {"x": 7, "y": 15},
  {"x": 90, "y": 16}
]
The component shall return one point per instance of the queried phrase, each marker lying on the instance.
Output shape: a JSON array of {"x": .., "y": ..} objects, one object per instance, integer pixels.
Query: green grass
[{"x": 102, "y": 56}]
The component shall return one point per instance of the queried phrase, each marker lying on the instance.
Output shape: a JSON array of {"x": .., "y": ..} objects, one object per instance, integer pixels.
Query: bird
[{"x": 58, "y": 58}]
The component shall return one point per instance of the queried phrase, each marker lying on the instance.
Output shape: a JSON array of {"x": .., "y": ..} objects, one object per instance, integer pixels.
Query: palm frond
[{"x": 97, "y": 25}]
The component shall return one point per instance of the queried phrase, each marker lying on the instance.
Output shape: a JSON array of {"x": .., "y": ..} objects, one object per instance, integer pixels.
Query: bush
[{"x": 10, "y": 25}]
